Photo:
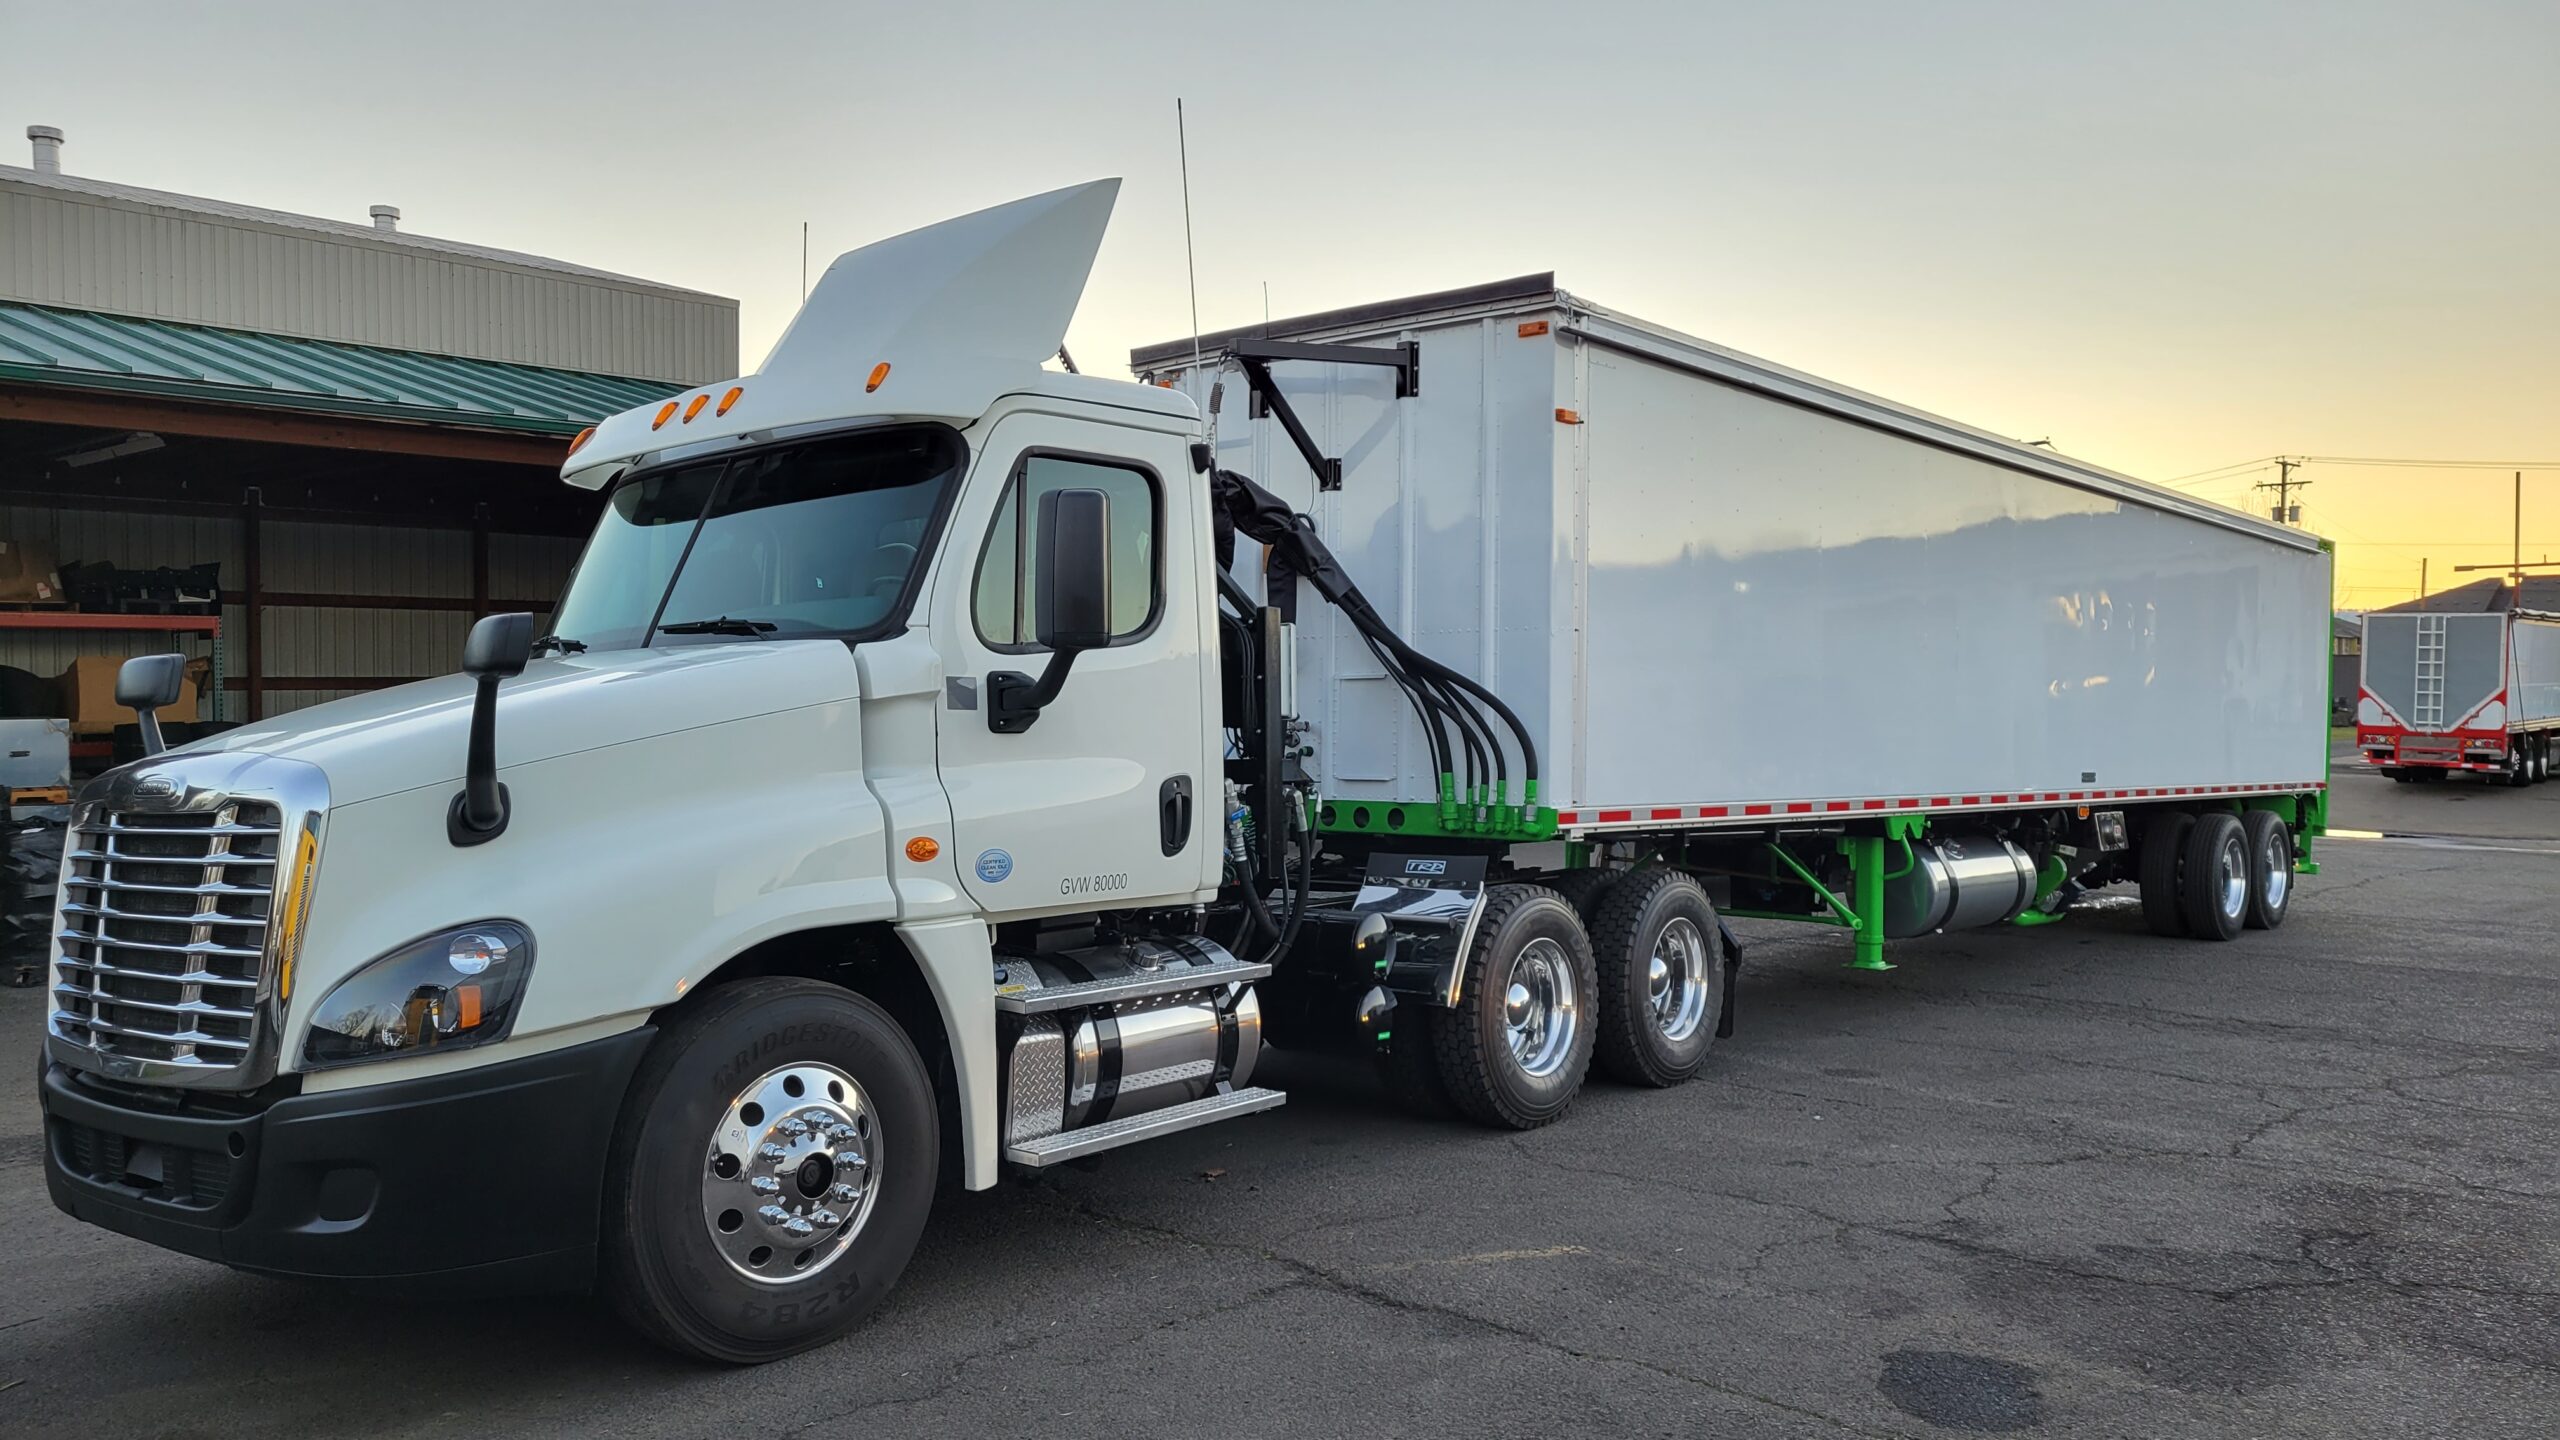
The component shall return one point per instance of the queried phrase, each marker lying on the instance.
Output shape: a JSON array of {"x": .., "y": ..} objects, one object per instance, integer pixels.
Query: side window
[{"x": 1007, "y": 572}]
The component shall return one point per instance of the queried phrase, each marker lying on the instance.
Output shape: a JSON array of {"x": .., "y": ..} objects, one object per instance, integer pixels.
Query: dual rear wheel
[
  {"x": 2214, "y": 875},
  {"x": 1603, "y": 966}
]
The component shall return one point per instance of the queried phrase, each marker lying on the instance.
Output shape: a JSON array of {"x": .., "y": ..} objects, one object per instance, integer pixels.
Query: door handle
[{"x": 1173, "y": 806}]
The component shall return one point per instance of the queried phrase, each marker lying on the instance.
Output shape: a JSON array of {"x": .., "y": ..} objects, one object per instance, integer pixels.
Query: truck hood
[{"x": 413, "y": 735}]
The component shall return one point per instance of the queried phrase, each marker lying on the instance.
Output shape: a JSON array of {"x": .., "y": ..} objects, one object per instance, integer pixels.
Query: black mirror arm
[
  {"x": 479, "y": 813},
  {"x": 1015, "y": 700},
  {"x": 152, "y": 741}
]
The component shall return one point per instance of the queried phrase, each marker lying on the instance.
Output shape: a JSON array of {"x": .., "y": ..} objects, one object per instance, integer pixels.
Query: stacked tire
[{"x": 29, "y": 869}]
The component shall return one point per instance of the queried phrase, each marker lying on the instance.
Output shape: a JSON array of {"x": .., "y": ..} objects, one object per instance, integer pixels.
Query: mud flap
[{"x": 1732, "y": 948}]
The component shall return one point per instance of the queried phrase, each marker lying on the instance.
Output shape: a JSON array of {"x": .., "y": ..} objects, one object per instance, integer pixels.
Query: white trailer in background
[
  {"x": 2444, "y": 693},
  {"x": 942, "y": 758}
]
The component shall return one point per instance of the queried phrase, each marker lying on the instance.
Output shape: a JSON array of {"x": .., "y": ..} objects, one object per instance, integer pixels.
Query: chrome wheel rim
[
  {"x": 792, "y": 1170},
  {"x": 1676, "y": 980},
  {"x": 2235, "y": 876},
  {"x": 2279, "y": 869},
  {"x": 1541, "y": 1012}
]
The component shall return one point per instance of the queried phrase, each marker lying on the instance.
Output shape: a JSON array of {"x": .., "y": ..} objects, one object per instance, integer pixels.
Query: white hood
[
  {"x": 961, "y": 313},
  {"x": 413, "y": 735}
]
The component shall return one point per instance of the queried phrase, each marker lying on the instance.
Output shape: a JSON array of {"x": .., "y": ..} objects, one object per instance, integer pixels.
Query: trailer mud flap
[
  {"x": 1732, "y": 971},
  {"x": 1433, "y": 898}
]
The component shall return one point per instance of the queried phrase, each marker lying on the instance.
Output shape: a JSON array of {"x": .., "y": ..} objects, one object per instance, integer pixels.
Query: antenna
[
  {"x": 1190, "y": 266},
  {"x": 804, "y": 261}
]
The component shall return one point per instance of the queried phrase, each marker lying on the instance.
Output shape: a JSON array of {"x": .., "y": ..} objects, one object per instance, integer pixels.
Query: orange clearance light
[
  {"x": 666, "y": 413},
  {"x": 1532, "y": 329},
  {"x": 581, "y": 442},
  {"x": 879, "y": 373},
  {"x": 1568, "y": 417},
  {"x": 729, "y": 399},
  {"x": 923, "y": 848},
  {"x": 696, "y": 407},
  {"x": 467, "y": 1004}
]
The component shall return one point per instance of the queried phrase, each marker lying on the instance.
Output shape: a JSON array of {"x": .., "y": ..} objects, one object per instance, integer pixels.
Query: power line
[
  {"x": 2284, "y": 485},
  {"x": 2429, "y": 464}
]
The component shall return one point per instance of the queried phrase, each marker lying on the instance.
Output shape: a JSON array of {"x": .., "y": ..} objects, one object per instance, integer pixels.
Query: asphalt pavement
[{"x": 2066, "y": 1181}]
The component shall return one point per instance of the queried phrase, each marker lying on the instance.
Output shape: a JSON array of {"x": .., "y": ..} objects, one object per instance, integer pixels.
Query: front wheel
[
  {"x": 770, "y": 1173},
  {"x": 1514, "y": 1051}
]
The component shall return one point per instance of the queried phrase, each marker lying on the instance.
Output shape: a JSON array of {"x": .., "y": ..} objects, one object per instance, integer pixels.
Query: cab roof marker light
[
  {"x": 728, "y": 400},
  {"x": 581, "y": 442},
  {"x": 666, "y": 412},
  {"x": 696, "y": 407},
  {"x": 879, "y": 373}
]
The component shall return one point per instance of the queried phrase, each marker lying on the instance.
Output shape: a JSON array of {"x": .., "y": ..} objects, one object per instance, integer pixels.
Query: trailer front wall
[
  {"x": 2434, "y": 671},
  {"x": 1783, "y": 606}
]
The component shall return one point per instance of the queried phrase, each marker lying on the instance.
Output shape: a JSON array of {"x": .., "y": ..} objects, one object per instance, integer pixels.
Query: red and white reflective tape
[{"x": 1638, "y": 816}]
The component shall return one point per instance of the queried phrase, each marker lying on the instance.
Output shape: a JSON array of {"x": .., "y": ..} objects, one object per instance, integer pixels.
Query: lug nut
[
  {"x": 766, "y": 1185},
  {"x": 793, "y": 1126}
]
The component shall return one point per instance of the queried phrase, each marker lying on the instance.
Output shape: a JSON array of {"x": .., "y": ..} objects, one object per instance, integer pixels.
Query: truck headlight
[{"x": 448, "y": 991}]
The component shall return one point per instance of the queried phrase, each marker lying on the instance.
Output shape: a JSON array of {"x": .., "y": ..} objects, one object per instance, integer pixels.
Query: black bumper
[{"x": 487, "y": 1179}]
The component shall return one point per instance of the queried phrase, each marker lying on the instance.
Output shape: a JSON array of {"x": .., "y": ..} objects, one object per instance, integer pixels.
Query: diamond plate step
[
  {"x": 1170, "y": 980},
  {"x": 1112, "y": 1134}
]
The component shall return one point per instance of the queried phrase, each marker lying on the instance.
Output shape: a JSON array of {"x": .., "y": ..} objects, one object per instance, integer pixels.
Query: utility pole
[
  {"x": 2422, "y": 582},
  {"x": 2515, "y": 598},
  {"x": 2285, "y": 511}
]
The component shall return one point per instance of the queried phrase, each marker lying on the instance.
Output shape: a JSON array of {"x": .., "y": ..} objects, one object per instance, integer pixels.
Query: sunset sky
[{"x": 2169, "y": 237}]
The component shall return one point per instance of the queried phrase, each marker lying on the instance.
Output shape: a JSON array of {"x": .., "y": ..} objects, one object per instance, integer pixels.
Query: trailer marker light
[
  {"x": 581, "y": 442},
  {"x": 879, "y": 373},
  {"x": 923, "y": 848},
  {"x": 728, "y": 400},
  {"x": 696, "y": 407},
  {"x": 1568, "y": 417},
  {"x": 666, "y": 413},
  {"x": 1532, "y": 329}
]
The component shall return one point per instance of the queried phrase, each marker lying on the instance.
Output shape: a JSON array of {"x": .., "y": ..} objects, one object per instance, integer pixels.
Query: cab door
[{"x": 1103, "y": 801}]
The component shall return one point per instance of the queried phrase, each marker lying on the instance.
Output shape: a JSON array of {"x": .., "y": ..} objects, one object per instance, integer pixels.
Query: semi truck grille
[{"x": 164, "y": 933}]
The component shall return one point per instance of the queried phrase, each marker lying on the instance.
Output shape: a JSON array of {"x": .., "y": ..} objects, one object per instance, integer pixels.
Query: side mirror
[
  {"x": 498, "y": 647},
  {"x": 144, "y": 684},
  {"x": 1075, "y": 570},
  {"x": 1072, "y": 589}
]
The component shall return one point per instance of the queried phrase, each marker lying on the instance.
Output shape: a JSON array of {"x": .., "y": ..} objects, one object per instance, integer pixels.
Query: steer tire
[
  {"x": 2164, "y": 849},
  {"x": 1486, "y": 1078},
  {"x": 2270, "y": 844},
  {"x": 661, "y": 1263},
  {"x": 2215, "y": 847},
  {"x": 1654, "y": 909}
]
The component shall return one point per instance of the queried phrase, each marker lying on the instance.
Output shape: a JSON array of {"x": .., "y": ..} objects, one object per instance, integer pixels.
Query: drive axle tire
[
  {"x": 1584, "y": 889},
  {"x": 1514, "y": 1051},
  {"x": 2270, "y": 842},
  {"x": 1653, "y": 944},
  {"x": 2164, "y": 849},
  {"x": 2213, "y": 880},
  {"x": 770, "y": 1172}
]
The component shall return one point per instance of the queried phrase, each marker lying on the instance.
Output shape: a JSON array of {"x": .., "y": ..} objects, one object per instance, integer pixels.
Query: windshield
[{"x": 815, "y": 539}]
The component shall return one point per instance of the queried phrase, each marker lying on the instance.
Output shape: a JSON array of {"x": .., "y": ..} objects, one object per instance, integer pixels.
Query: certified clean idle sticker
[{"x": 994, "y": 865}]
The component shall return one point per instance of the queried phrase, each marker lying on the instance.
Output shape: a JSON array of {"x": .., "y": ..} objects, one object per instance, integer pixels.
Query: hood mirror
[
  {"x": 144, "y": 684},
  {"x": 498, "y": 648}
]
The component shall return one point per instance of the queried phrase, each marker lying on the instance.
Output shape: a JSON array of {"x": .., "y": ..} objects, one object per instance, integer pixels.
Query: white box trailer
[
  {"x": 2443, "y": 693},
  {"x": 1720, "y": 590}
]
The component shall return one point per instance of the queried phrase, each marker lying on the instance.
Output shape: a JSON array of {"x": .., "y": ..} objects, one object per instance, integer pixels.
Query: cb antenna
[{"x": 1190, "y": 265}]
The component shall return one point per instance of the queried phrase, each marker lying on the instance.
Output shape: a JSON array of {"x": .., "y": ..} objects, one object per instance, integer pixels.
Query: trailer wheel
[
  {"x": 1585, "y": 889},
  {"x": 1653, "y": 944},
  {"x": 2164, "y": 849},
  {"x": 2519, "y": 764},
  {"x": 2270, "y": 843},
  {"x": 770, "y": 1172},
  {"x": 1514, "y": 1051},
  {"x": 2214, "y": 877}
]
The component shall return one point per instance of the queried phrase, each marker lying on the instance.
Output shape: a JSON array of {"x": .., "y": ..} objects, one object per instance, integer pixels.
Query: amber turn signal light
[{"x": 923, "y": 848}]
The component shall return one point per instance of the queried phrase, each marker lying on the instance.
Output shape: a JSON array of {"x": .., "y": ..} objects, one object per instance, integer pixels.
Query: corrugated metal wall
[
  {"x": 296, "y": 642},
  {"x": 93, "y": 252}
]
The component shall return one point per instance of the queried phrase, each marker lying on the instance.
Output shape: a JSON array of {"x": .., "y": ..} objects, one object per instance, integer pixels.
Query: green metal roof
[{"x": 89, "y": 351}]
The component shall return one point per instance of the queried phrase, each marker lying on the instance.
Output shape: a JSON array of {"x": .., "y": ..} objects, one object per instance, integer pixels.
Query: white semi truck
[
  {"x": 2447, "y": 694},
  {"x": 939, "y": 763}
]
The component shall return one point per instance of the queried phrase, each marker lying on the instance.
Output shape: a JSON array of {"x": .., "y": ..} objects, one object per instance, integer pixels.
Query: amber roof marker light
[
  {"x": 666, "y": 413},
  {"x": 879, "y": 373},
  {"x": 696, "y": 407},
  {"x": 728, "y": 400}
]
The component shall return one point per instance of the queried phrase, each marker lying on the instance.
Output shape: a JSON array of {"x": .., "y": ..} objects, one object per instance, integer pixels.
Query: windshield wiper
[
  {"x": 722, "y": 626},
  {"x": 561, "y": 643}
]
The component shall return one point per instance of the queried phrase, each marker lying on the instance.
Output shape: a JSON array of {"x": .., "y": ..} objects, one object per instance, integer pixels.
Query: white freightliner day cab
[{"x": 942, "y": 764}]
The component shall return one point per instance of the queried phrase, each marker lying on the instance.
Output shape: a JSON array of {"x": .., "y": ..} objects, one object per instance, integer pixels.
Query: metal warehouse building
[{"x": 355, "y": 427}]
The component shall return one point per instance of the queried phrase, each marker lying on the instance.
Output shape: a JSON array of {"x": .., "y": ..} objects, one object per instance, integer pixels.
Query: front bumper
[{"x": 483, "y": 1179}]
